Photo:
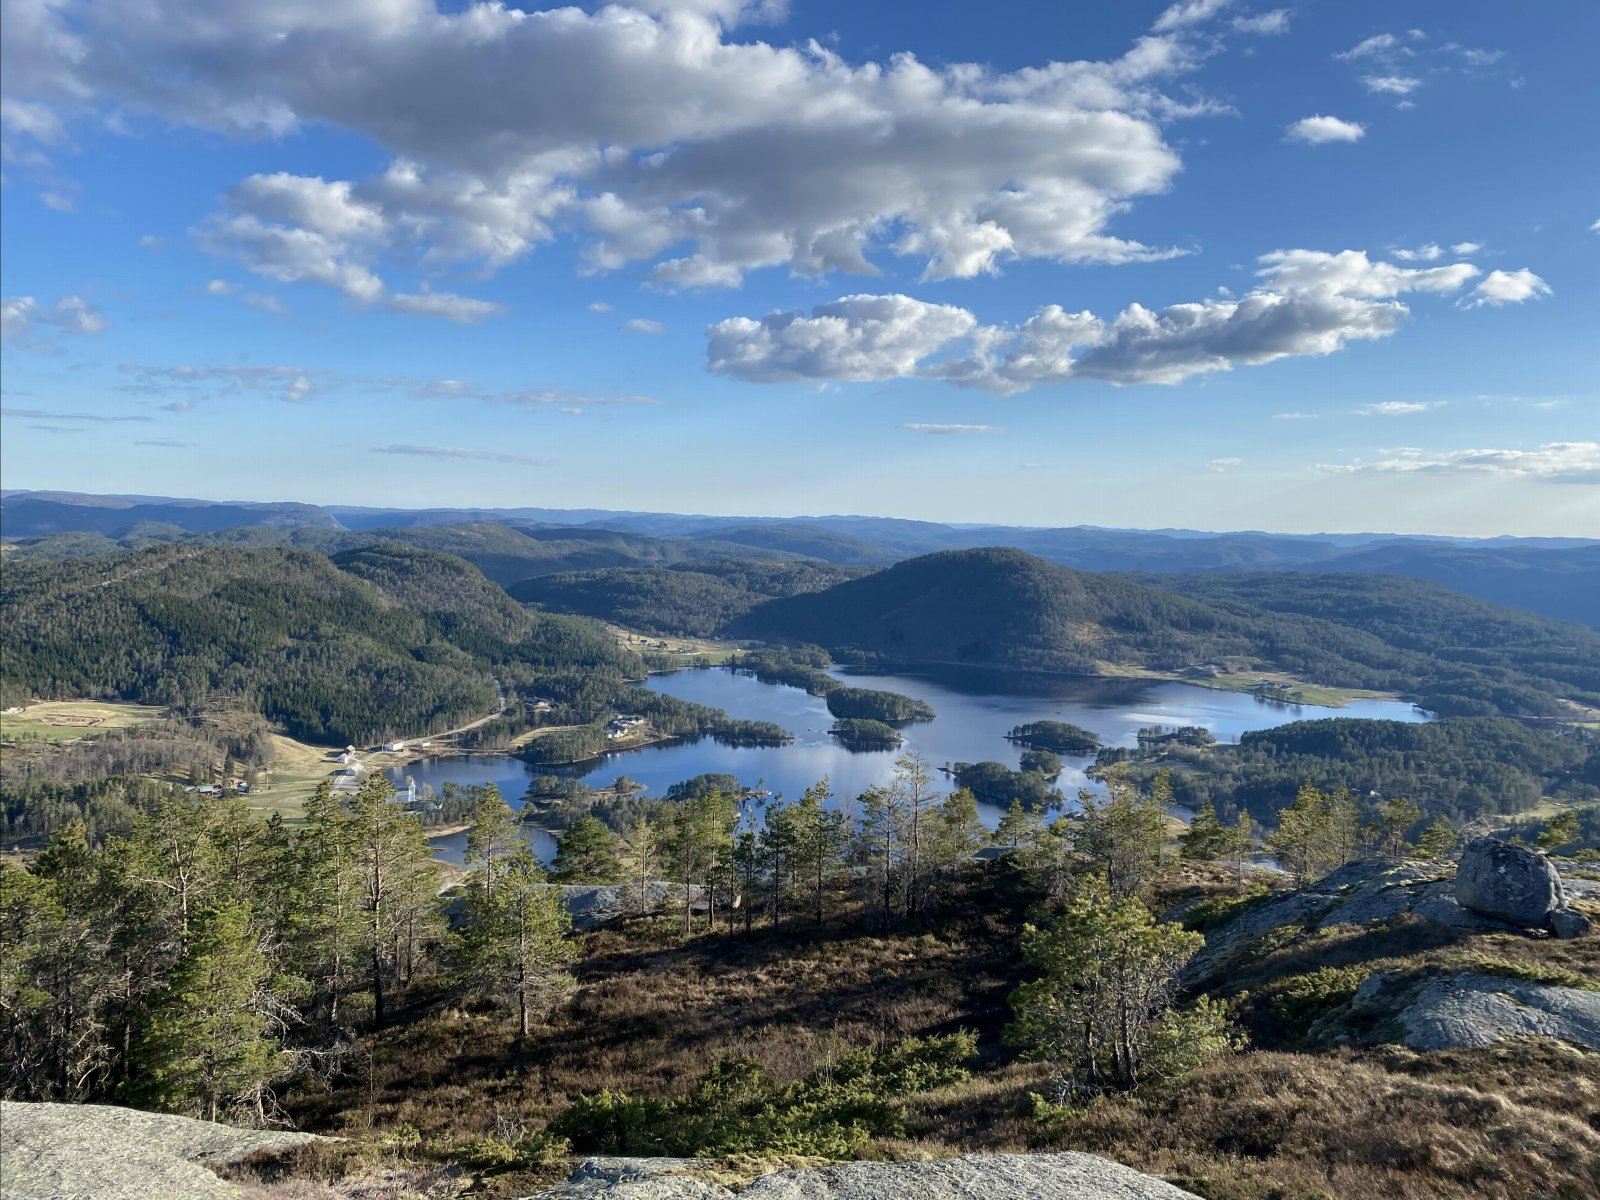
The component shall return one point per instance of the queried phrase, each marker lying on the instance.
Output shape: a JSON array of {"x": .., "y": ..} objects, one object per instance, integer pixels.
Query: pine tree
[
  {"x": 821, "y": 841},
  {"x": 1318, "y": 832},
  {"x": 1101, "y": 1011},
  {"x": 398, "y": 887},
  {"x": 1203, "y": 840},
  {"x": 1559, "y": 831},
  {"x": 517, "y": 943},
  {"x": 209, "y": 1044},
  {"x": 1122, "y": 834},
  {"x": 493, "y": 836},
  {"x": 325, "y": 921},
  {"x": 877, "y": 847},
  {"x": 1437, "y": 840},
  {"x": 1395, "y": 819},
  {"x": 1019, "y": 827},
  {"x": 586, "y": 852}
]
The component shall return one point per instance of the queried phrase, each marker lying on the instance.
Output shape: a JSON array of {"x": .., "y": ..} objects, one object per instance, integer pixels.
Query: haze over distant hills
[{"x": 1558, "y": 577}]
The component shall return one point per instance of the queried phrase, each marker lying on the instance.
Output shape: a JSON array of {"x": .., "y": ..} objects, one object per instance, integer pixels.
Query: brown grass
[{"x": 652, "y": 1015}]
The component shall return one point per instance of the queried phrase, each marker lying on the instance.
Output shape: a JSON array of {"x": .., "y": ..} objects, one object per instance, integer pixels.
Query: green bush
[{"x": 735, "y": 1109}]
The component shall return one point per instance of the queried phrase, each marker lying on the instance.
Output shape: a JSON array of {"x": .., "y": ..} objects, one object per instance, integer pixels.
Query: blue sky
[{"x": 1324, "y": 266}]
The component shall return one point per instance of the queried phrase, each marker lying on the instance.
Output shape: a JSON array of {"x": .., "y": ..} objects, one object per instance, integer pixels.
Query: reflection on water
[{"x": 975, "y": 711}]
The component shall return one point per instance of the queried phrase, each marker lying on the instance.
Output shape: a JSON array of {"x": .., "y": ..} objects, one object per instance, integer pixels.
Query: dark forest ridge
[{"x": 1558, "y": 577}]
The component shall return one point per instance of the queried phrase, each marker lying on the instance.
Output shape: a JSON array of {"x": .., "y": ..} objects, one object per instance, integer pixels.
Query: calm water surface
[{"x": 975, "y": 711}]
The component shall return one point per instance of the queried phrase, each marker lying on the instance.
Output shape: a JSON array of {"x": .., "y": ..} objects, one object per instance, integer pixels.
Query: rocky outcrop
[
  {"x": 101, "y": 1152},
  {"x": 591, "y": 905},
  {"x": 970, "y": 1177},
  {"x": 1516, "y": 884},
  {"x": 1466, "y": 1010},
  {"x": 1361, "y": 893}
]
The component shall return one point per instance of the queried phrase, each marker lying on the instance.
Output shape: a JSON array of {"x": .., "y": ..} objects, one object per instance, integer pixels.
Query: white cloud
[
  {"x": 948, "y": 430},
  {"x": 457, "y": 452},
  {"x": 1466, "y": 247},
  {"x": 24, "y": 320},
  {"x": 1319, "y": 130},
  {"x": 1554, "y": 462},
  {"x": 463, "y": 310},
  {"x": 1428, "y": 252},
  {"x": 1267, "y": 24},
  {"x": 1508, "y": 287},
  {"x": 1221, "y": 466},
  {"x": 1306, "y": 302},
  {"x": 1379, "y": 45},
  {"x": 856, "y": 338},
  {"x": 41, "y": 414},
  {"x": 1397, "y": 408},
  {"x": 599, "y": 306},
  {"x": 191, "y": 383},
  {"x": 1188, "y": 12},
  {"x": 705, "y": 154},
  {"x": 221, "y": 287},
  {"x": 1294, "y": 416},
  {"x": 1391, "y": 85},
  {"x": 642, "y": 325}
]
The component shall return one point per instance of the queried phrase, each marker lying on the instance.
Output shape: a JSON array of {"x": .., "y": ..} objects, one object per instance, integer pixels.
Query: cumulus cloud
[
  {"x": 1319, "y": 130},
  {"x": 458, "y": 452},
  {"x": 1508, "y": 287},
  {"x": 1393, "y": 64},
  {"x": 857, "y": 338},
  {"x": 27, "y": 322},
  {"x": 1306, "y": 302},
  {"x": 599, "y": 306},
  {"x": 948, "y": 430},
  {"x": 1466, "y": 247},
  {"x": 1553, "y": 462},
  {"x": 1294, "y": 416},
  {"x": 1221, "y": 466},
  {"x": 642, "y": 325},
  {"x": 707, "y": 154}
]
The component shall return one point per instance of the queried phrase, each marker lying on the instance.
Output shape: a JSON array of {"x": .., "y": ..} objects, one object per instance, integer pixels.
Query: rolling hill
[
  {"x": 695, "y": 600},
  {"x": 1001, "y": 608},
  {"x": 328, "y": 653}
]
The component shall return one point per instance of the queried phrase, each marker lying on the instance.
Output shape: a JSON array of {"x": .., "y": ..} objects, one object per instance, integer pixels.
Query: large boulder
[
  {"x": 102, "y": 1152},
  {"x": 1068, "y": 1176},
  {"x": 1500, "y": 879}
]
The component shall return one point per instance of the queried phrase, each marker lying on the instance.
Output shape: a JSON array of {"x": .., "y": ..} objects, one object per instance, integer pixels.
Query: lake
[{"x": 975, "y": 711}]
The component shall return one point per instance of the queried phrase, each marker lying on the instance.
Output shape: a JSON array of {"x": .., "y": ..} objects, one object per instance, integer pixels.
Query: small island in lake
[
  {"x": 1056, "y": 736},
  {"x": 857, "y": 733}
]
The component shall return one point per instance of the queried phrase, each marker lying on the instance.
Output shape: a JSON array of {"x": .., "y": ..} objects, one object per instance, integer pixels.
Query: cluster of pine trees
[{"x": 205, "y": 955}]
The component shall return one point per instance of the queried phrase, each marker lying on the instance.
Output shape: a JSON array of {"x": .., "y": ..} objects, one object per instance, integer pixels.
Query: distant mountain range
[{"x": 1558, "y": 577}]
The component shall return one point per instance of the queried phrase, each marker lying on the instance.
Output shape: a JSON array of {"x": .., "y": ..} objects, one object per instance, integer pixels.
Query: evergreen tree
[
  {"x": 210, "y": 1043},
  {"x": 1121, "y": 835},
  {"x": 1318, "y": 832},
  {"x": 1101, "y": 1011},
  {"x": 1206, "y": 836},
  {"x": 325, "y": 920},
  {"x": 1019, "y": 827},
  {"x": 493, "y": 837},
  {"x": 1395, "y": 819},
  {"x": 878, "y": 848},
  {"x": 1559, "y": 831},
  {"x": 399, "y": 885},
  {"x": 821, "y": 842},
  {"x": 517, "y": 943},
  {"x": 586, "y": 852},
  {"x": 1437, "y": 840}
]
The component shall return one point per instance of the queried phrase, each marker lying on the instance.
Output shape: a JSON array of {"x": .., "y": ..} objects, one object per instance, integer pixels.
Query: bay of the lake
[{"x": 974, "y": 711}]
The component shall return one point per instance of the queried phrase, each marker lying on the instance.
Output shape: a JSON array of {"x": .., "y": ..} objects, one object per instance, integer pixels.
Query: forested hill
[
  {"x": 1003, "y": 608},
  {"x": 1468, "y": 637},
  {"x": 506, "y": 554},
  {"x": 693, "y": 599},
  {"x": 330, "y": 654}
]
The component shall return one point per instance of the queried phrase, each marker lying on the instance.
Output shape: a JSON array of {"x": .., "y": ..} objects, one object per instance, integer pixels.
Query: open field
[
  {"x": 1296, "y": 691},
  {"x": 73, "y": 720},
  {"x": 690, "y": 650},
  {"x": 297, "y": 768}
]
